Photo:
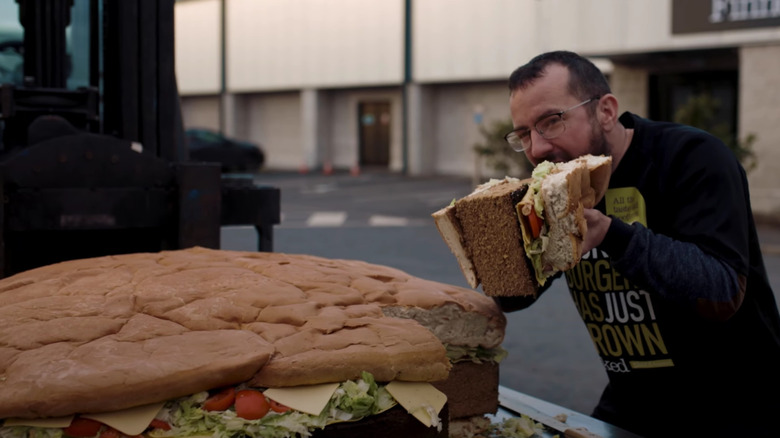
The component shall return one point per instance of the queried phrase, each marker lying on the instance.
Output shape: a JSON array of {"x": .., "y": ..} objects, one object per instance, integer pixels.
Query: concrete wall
[
  {"x": 343, "y": 140},
  {"x": 630, "y": 86},
  {"x": 274, "y": 121},
  {"x": 197, "y": 31},
  {"x": 283, "y": 44},
  {"x": 294, "y": 44},
  {"x": 457, "y": 113},
  {"x": 297, "y": 70},
  {"x": 200, "y": 112},
  {"x": 759, "y": 97}
]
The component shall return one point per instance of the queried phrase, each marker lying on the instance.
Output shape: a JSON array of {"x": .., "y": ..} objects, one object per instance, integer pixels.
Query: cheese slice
[
  {"x": 420, "y": 399},
  {"x": 131, "y": 421},
  {"x": 58, "y": 422},
  {"x": 311, "y": 399}
]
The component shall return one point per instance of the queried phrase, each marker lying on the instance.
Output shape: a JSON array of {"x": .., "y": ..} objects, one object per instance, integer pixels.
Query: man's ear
[{"x": 607, "y": 111}]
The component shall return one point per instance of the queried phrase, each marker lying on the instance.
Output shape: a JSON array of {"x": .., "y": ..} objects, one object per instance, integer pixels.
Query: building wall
[
  {"x": 297, "y": 70},
  {"x": 759, "y": 96},
  {"x": 294, "y": 44},
  {"x": 630, "y": 86},
  {"x": 200, "y": 112},
  {"x": 343, "y": 141},
  {"x": 274, "y": 121},
  {"x": 197, "y": 29},
  {"x": 284, "y": 44},
  {"x": 467, "y": 40},
  {"x": 458, "y": 112}
]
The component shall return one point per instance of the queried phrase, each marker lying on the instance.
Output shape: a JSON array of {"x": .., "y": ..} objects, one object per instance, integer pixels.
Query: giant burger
[{"x": 203, "y": 342}]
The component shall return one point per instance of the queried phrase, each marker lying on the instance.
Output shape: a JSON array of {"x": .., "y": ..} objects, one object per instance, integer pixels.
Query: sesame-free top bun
[{"x": 108, "y": 333}]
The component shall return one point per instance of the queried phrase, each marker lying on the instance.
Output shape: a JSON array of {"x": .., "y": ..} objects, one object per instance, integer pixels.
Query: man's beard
[{"x": 598, "y": 142}]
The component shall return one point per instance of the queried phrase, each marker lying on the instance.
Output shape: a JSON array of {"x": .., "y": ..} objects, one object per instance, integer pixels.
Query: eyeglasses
[{"x": 549, "y": 126}]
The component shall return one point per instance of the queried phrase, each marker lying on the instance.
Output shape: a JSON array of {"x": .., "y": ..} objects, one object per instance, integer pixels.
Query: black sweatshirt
[{"x": 676, "y": 298}]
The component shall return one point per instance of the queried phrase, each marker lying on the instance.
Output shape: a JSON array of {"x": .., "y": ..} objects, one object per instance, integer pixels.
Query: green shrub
[{"x": 496, "y": 152}]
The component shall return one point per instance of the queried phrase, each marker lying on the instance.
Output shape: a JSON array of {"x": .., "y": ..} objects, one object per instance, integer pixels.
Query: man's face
[{"x": 548, "y": 95}]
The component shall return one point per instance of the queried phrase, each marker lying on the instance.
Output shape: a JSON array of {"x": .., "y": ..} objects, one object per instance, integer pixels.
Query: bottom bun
[{"x": 471, "y": 389}]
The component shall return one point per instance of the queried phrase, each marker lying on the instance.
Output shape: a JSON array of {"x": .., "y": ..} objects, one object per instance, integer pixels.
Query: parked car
[{"x": 234, "y": 155}]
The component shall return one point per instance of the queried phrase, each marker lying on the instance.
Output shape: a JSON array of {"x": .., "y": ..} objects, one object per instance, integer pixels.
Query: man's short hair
[{"x": 585, "y": 79}]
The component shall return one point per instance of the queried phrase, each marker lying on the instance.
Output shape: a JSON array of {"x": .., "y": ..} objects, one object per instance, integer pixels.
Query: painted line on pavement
[
  {"x": 387, "y": 221},
  {"x": 327, "y": 219}
]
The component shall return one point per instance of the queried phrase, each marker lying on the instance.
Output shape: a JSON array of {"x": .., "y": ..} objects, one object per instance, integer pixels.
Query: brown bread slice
[{"x": 492, "y": 232}]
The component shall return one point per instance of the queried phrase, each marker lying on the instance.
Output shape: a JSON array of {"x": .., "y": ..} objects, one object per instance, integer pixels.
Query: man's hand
[{"x": 598, "y": 224}]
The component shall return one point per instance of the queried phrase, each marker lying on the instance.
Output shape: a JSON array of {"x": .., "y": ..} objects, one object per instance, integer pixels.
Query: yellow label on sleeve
[
  {"x": 311, "y": 399},
  {"x": 58, "y": 422},
  {"x": 131, "y": 421},
  {"x": 420, "y": 399}
]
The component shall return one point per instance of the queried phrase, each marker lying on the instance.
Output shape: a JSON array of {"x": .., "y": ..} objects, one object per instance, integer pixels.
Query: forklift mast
[{"x": 102, "y": 167}]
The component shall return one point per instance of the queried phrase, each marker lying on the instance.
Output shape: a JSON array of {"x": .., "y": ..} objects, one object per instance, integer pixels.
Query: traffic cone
[
  {"x": 327, "y": 168},
  {"x": 354, "y": 170},
  {"x": 303, "y": 169}
]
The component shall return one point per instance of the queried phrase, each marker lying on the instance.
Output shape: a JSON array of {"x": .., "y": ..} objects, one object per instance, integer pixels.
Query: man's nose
[{"x": 540, "y": 146}]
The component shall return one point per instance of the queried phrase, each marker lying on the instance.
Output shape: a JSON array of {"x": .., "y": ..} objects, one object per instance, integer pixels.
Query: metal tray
[{"x": 513, "y": 404}]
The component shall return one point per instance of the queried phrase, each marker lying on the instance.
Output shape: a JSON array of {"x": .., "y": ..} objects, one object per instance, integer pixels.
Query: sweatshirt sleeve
[{"x": 675, "y": 270}]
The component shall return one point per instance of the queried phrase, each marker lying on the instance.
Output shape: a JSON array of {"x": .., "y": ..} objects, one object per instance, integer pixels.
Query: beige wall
[
  {"x": 274, "y": 121},
  {"x": 343, "y": 141},
  {"x": 463, "y": 51},
  {"x": 197, "y": 45},
  {"x": 455, "y": 129},
  {"x": 759, "y": 97},
  {"x": 469, "y": 40},
  {"x": 293, "y": 44},
  {"x": 630, "y": 86},
  {"x": 200, "y": 112},
  {"x": 466, "y": 39},
  {"x": 283, "y": 44}
]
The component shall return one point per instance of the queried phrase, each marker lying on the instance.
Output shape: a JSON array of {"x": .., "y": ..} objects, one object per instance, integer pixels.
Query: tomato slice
[
  {"x": 159, "y": 424},
  {"x": 221, "y": 400},
  {"x": 277, "y": 407},
  {"x": 536, "y": 224},
  {"x": 83, "y": 427},
  {"x": 251, "y": 404}
]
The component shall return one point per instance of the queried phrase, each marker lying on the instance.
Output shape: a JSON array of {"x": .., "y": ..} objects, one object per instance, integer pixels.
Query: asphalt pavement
[{"x": 385, "y": 218}]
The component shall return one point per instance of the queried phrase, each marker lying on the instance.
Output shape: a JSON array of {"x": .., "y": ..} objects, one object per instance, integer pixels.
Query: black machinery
[{"x": 103, "y": 168}]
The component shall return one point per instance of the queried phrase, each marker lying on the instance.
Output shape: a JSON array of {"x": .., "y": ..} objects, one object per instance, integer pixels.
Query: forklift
[{"x": 93, "y": 157}]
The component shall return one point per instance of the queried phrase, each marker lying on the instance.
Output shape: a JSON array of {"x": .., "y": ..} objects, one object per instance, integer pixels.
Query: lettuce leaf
[
  {"x": 30, "y": 432},
  {"x": 459, "y": 353},
  {"x": 352, "y": 401}
]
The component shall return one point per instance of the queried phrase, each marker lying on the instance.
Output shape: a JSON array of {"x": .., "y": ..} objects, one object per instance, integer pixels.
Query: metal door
[{"x": 374, "y": 132}]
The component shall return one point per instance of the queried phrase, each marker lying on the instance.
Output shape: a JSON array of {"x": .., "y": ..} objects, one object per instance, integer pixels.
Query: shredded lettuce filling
[
  {"x": 352, "y": 401},
  {"x": 519, "y": 427},
  {"x": 30, "y": 432},
  {"x": 536, "y": 247},
  {"x": 458, "y": 353},
  {"x": 539, "y": 173}
]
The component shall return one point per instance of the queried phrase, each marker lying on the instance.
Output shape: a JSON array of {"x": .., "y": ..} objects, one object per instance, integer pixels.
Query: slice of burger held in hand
[
  {"x": 551, "y": 211},
  {"x": 511, "y": 235}
]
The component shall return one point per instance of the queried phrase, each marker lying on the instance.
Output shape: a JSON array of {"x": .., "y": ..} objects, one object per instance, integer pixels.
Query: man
[{"x": 672, "y": 286}]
